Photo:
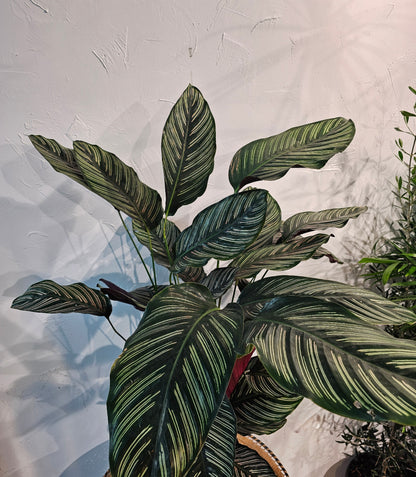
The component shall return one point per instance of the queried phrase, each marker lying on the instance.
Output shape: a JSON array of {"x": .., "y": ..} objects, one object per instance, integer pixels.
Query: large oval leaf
[
  {"x": 222, "y": 230},
  {"x": 321, "y": 351},
  {"x": 167, "y": 385},
  {"x": 188, "y": 149},
  {"x": 59, "y": 157},
  {"x": 260, "y": 404},
  {"x": 310, "y": 146},
  {"x": 309, "y": 221},
  {"x": 365, "y": 304},
  {"x": 217, "y": 456},
  {"x": 278, "y": 257},
  {"x": 50, "y": 297},
  {"x": 114, "y": 181}
]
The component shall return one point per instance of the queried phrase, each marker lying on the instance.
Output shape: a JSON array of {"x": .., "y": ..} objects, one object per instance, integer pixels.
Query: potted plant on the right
[{"x": 388, "y": 449}]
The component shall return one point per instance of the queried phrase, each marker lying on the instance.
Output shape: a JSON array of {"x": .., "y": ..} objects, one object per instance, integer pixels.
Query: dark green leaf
[
  {"x": 219, "y": 280},
  {"x": 271, "y": 226},
  {"x": 49, "y": 297},
  {"x": 59, "y": 157},
  {"x": 278, "y": 257},
  {"x": 311, "y": 145},
  {"x": 260, "y": 404},
  {"x": 169, "y": 382},
  {"x": 309, "y": 221},
  {"x": 217, "y": 456},
  {"x": 160, "y": 240},
  {"x": 114, "y": 181},
  {"x": 222, "y": 230},
  {"x": 139, "y": 297},
  {"x": 365, "y": 304},
  {"x": 321, "y": 351},
  {"x": 188, "y": 149}
]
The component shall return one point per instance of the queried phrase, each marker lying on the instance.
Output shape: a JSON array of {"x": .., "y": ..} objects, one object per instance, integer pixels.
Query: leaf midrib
[
  {"x": 334, "y": 346},
  {"x": 182, "y": 156},
  {"x": 170, "y": 378}
]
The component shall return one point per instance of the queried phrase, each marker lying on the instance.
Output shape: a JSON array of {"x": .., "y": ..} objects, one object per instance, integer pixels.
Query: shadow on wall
[
  {"x": 58, "y": 366},
  {"x": 89, "y": 463}
]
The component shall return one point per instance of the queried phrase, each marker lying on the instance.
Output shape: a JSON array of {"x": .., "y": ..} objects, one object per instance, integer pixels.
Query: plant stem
[
  {"x": 410, "y": 194},
  {"x": 137, "y": 250},
  {"x": 114, "y": 329}
]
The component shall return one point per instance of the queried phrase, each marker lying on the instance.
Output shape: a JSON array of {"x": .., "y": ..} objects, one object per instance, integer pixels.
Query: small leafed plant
[
  {"x": 388, "y": 449},
  {"x": 186, "y": 382}
]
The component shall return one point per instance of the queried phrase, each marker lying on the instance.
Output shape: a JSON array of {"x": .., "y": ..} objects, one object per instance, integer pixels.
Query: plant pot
[{"x": 262, "y": 450}]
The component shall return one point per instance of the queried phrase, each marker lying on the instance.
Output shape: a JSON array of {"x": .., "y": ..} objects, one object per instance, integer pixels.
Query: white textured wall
[{"x": 108, "y": 72}]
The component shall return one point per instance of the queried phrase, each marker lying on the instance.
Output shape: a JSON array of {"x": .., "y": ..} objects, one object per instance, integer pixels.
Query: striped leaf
[
  {"x": 311, "y": 145},
  {"x": 366, "y": 305},
  {"x": 59, "y": 157},
  {"x": 309, "y": 221},
  {"x": 271, "y": 225},
  {"x": 169, "y": 382},
  {"x": 156, "y": 240},
  {"x": 278, "y": 257},
  {"x": 222, "y": 230},
  {"x": 219, "y": 280},
  {"x": 260, "y": 404},
  {"x": 161, "y": 239},
  {"x": 188, "y": 149},
  {"x": 321, "y": 351},
  {"x": 217, "y": 456},
  {"x": 114, "y": 181},
  {"x": 49, "y": 297}
]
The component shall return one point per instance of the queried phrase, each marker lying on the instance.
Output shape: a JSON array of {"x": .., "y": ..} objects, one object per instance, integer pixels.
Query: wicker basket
[{"x": 262, "y": 450}]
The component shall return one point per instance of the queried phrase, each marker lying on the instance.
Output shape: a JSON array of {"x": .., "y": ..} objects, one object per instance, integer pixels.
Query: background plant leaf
[
  {"x": 222, "y": 230},
  {"x": 184, "y": 347},
  {"x": 311, "y": 145},
  {"x": 48, "y": 296},
  {"x": 321, "y": 351},
  {"x": 114, "y": 181},
  {"x": 188, "y": 149}
]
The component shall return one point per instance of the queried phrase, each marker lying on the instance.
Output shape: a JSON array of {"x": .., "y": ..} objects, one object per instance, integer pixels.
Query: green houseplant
[
  {"x": 389, "y": 449},
  {"x": 186, "y": 380}
]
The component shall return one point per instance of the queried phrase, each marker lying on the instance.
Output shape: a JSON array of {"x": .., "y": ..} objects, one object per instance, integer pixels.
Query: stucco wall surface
[{"x": 109, "y": 72}]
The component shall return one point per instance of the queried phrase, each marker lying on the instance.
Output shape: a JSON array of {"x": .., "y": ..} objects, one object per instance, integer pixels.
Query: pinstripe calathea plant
[{"x": 187, "y": 381}]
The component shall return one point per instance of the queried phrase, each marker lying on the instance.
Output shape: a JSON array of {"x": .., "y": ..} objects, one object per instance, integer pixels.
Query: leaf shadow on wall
[{"x": 66, "y": 369}]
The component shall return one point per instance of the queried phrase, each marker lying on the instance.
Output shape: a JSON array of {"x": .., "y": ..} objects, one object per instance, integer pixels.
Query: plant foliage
[{"x": 167, "y": 407}]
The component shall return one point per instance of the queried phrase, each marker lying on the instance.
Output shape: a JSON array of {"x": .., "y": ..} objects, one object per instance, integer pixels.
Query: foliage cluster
[{"x": 186, "y": 381}]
